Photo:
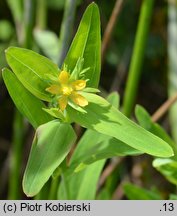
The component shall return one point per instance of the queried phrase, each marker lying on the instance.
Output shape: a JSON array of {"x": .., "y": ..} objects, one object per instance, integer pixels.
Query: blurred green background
[{"x": 153, "y": 88}]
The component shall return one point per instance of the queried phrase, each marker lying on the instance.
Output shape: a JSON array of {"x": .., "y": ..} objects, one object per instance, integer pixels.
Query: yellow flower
[{"x": 66, "y": 89}]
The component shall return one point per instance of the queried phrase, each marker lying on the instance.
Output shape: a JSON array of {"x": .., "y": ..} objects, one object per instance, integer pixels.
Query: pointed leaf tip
[{"x": 87, "y": 44}]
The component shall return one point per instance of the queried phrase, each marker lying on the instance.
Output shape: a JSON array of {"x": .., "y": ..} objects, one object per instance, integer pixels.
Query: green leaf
[
  {"x": 173, "y": 197},
  {"x": 32, "y": 70},
  {"x": 91, "y": 90},
  {"x": 106, "y": 119},
  {"x": 114, "y": 99},
  {"x": 55, "y": 112},
  {"x": 168, "y": 168},
  {"x": 73, "y": 186},
  {"x": 100, "y": 147},
  {"x": 145, "y": 121},
  {"x": 27, "y": 104},
  {"x": 136, "y": 193},
  {"x": 143, "y": 117},
  {"x": 90, "y": 141},
  {"x": 92, "y": 147},
  {"x": 81, "y": 185},
  {"x": 87, "y": 44},
  {"x": 51, "y": 144}
]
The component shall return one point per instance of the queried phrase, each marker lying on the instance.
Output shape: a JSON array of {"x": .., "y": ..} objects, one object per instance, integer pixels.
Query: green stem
[
  {"x": 172, "y": 64},
  {"x": 16, "y": 157},
  {"x": 17, "y": 12},
  {"x": 138, "y": 56},
  {"x": 54, "y": 188},
  {"x": 66, "y": 29},
  {"x": 44, "y": 192},
  {"x": 41, "y": 16},
  {"x": 29, "y": 18}
]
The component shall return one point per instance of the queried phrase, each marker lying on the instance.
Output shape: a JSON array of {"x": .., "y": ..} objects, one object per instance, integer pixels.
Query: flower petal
[
  {"x": 54, "y": 89},
  {"x": 63, "y": 77},
  {"x": 63, "y": 100},
  {"x": 79, "y": 99},
  {"x": 79, "y": 84}
]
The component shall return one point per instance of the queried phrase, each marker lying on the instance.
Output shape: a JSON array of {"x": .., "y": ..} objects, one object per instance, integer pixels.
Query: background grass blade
[
  {"x": 172, "y": 56},
  {"x": 134, "y": 192}
]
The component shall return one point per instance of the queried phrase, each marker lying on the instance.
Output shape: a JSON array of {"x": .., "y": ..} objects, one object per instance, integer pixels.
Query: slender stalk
[
  {"x": 54, "y": 188},
  {"x": 29, "y": 18},
  {"x": 66, "y": 29},
  {"x": 110, "y": 27},
  {"x": 138, "y": 56},
  {"x": 44, "y": 192},
  {"x": 17, "y": 12},
  {"x": 41, "y": 16},
  {"x": 16, "y": 156},
  {"x": 172, "y": 63}
]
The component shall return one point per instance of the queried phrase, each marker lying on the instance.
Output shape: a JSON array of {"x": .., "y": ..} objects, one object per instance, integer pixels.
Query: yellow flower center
[{"x": 66, "y": 90}]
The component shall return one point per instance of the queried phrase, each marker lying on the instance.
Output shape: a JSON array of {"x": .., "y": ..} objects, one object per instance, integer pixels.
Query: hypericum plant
[{"x": 70, "y": 93}]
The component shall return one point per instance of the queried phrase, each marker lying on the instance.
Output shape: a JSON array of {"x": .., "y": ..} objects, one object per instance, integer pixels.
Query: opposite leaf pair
[{"x": 33, "y": 74}]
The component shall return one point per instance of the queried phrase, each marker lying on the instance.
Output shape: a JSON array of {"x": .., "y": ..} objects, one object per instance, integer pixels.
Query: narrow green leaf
[
  {"x": 51, "y": 144},
  {"x": 90, "y": 141},
  {"x": 27, "y": 104},
  {"x": 168, "y": 168},
  {"x": 100, "y": 147},
  {"x": 73, "y": 186},
  {"x": 106, "y": 119},
  {"x": 81, "y": 185},
  {"x": 173, "y": 197},
  {"x": 134, "y": 192},
  {"x": 114, "y": 99},
  {"x": 16, "y": 9},
  {"x": 143, "y": 117},
  {"x": 87, "y": 44},
  {"x": 91, "y": 90},
  {"x": 111, "y": 148},
  {"x": 145, "y": 121},
  {"x": 32, "y": 70},
  {"x": 55, "y": 113}
]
